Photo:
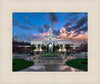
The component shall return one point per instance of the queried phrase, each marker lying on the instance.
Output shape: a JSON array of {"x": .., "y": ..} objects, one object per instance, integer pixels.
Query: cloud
[
  {"x": 35, "y": 27},
  {"x": 20, "y": 25},
  {"x": 35, "y": 36},
  {"x": 76, "y": 34},
  {"x": 73, "y": 19},
  {"x": 81, "y": 25},
  {"x": 53, "y": 18},
  {"x": 71, "y": 36},
  {"x": 27, "y": 22},
  {"x": 67, "y": 24},
  {"x": 73, "y": 14},
  {"x": 40, "y": 36},
  {"x": 56, "y": 32},
  {"x": 24, "y": 37},
  {"x": 25, "y": 27},
  {"x": 46, "y": 26},
  {"x": 83, "y": 29},
  {"x": 40, "y": 29}
]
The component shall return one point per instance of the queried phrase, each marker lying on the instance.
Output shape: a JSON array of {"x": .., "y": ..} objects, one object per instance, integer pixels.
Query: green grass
[
  {"x": 50, "y": 54},
  {"x": 79, "y": 64},
  {"x": 19, "y": 64}
]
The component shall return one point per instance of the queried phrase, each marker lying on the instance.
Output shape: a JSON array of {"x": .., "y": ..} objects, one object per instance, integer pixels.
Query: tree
[
  {"x": 43, "y": 47},
  {"x": 68, "y": 47},
  {"x": 33, "y": 47},
  {"x": 78, "y": 49},
  {"x": 84, "y": 47},
  {"x": 56, "y": 47}
]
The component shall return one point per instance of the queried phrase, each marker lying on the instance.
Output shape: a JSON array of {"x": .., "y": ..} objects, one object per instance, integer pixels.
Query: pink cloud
[
  {"x": 76, "y": 40},
  {"x": 40, "y": 36},
  {"x": 64, "y": 35}
]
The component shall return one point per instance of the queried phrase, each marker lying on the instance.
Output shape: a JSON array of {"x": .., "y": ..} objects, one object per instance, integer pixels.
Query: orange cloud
[{"x": 78, "y": 39}]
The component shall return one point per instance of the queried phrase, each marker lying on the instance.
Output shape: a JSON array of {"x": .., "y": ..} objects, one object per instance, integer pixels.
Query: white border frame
[{"x": 9, "y": 77}]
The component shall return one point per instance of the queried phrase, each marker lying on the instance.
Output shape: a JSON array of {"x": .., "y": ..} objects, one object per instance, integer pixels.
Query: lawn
[
  {"x": 19, "y": 64},
  {"x": 80, "y": 63}
]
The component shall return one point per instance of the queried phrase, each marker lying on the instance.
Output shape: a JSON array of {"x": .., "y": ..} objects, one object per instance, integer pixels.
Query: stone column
[
  {"x": 36, "y": 47},
  {"x": 63, "y": 47},
  {"x": 52, "y": 47},
  {"x": 60, "y": 47},
  {"x": 36, "y": 60}
]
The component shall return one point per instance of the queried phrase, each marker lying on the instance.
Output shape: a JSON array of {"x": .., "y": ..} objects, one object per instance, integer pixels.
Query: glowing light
[{"x": 50, "y": 45}]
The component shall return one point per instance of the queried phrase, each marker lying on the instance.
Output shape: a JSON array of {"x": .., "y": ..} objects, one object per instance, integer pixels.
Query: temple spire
[{"x": 50, "y": 31}]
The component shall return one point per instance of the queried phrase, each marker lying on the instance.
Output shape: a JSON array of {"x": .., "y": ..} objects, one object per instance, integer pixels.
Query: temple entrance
[{"x": 50, "y": 47}]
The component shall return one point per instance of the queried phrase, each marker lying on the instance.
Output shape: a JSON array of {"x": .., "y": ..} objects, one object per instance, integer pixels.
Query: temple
[{"x": 49, "y": 41}]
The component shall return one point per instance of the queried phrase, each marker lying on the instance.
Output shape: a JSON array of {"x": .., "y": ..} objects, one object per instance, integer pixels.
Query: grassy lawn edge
[
  {"x": 78, "y": 63},
  {"x": 19, "y": 64}
]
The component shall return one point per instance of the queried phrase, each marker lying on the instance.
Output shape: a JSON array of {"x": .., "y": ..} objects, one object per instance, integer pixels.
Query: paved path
[
  {"x": 38, "y": 67},
  {"x": 50, "y": 67}
]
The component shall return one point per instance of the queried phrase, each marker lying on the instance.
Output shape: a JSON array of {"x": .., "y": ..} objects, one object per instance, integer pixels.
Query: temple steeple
[{"x": 50, "y": 31}]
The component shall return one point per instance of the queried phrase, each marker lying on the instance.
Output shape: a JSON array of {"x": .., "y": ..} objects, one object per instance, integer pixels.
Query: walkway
[{"x": 38, "y": 67}]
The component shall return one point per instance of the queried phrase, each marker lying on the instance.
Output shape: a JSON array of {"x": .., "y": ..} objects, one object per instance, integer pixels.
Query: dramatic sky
[{"x": 67, "y": 26}]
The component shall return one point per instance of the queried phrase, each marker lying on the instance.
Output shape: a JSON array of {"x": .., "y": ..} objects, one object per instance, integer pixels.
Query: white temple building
[{"x": 49, "y": 41}]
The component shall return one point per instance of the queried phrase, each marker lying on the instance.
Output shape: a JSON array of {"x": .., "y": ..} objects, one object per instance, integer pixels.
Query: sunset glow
[{"x": 66, "y": 26}]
